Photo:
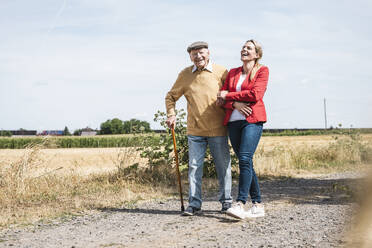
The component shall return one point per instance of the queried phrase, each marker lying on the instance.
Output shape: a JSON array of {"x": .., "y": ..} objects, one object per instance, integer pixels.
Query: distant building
[
  {"x": 88, "y": 132},
  {"x": 23, "y": 132},
  {"x": 52, "y": 132}
]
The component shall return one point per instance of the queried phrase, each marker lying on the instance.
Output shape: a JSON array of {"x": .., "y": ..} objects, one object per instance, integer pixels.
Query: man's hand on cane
[{"x": 171, "y": 122}]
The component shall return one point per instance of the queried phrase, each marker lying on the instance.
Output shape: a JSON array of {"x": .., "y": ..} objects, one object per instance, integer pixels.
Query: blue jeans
[
  {"x": 244, "y": 139},
  {"x": 219, "y": 148}
]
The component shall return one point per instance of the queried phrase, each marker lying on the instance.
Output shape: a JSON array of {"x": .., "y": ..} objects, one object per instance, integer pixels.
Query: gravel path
[{"x": 300, "y": 212}]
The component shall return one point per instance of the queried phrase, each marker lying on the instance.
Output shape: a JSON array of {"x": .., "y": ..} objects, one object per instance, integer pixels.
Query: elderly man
[{"x": 200, "y": 84}]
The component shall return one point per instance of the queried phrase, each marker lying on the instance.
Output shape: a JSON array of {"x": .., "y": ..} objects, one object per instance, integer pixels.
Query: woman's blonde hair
[
  {"x": 258, "y": 49},
  {"x": 259, "y": 52}
]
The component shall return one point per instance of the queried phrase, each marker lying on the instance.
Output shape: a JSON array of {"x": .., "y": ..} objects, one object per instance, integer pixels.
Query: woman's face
[{"x": 248, "y": 52}]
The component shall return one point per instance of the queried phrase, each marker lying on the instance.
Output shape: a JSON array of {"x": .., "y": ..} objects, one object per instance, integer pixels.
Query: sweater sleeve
[
  {"x": 173, "y": 95},
  {"x": 256, "y": 93},
  {"x": 225, "y": 86}
]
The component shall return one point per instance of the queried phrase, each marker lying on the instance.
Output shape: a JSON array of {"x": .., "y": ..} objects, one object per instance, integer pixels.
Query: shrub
[{"x": 162, "y": 152}]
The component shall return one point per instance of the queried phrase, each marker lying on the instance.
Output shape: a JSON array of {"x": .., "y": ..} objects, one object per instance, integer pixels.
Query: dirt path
[{"x": 301, "y": 212}]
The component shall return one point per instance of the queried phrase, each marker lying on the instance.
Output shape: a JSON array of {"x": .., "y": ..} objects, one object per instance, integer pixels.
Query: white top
[{"x": 236, "y": 115}]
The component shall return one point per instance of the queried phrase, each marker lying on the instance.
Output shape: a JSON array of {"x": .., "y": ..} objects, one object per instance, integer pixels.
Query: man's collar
[{"x": 209, "y": 67}]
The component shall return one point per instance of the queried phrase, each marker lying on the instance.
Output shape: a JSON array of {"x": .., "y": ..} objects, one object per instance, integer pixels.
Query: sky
[{"x": 78, "y": 63}]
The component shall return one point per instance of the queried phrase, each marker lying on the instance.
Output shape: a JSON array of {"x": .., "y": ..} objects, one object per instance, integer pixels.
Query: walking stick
[{"x": 178, "y": 169}]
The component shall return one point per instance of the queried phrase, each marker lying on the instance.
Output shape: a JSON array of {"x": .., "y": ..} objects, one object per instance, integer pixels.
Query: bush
[{"x": 162, "y": 152}]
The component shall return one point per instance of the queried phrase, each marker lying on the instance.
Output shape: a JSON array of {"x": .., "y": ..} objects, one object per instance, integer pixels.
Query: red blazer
[{"x": 251, "y": 91}]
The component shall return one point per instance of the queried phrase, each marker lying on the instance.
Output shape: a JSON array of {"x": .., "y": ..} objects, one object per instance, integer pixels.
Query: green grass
[{"x": 79, "y": 142}]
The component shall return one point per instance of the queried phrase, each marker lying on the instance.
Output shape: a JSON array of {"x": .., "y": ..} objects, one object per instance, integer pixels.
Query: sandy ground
[{"x": 300, "y": 212}]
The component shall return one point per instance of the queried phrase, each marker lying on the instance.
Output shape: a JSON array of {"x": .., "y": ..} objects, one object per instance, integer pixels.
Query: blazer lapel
[{"x": 236, "y": 77}]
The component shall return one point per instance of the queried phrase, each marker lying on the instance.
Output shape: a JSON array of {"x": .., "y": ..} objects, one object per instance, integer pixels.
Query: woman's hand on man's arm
[
  {"x": 221, "y": 97},
  {"x": 222, "y": 94},
  {"x": 220, "y": 102}
]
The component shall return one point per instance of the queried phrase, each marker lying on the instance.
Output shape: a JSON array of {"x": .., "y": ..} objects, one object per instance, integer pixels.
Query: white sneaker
[
  {"x": 237, "y": 211},
  {"x": 257, "y": 210}
]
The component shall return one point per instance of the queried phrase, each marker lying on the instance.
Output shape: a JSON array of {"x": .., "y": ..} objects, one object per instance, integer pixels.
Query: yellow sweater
[{"x": 204, "y": 117}]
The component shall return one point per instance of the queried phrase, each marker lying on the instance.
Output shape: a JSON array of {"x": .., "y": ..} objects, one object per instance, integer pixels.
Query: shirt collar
[{"x": 209, "y": 67}]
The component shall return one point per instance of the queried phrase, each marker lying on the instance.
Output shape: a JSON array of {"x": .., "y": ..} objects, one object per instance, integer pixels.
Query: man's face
[{"x": 200, "y": 57}]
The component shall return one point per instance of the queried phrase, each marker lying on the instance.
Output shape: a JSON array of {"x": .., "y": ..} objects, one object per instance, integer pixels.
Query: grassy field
[
  {"x": 103, "y": 141},
  {"x": 85, "y": 161},
  {"x": 128, "y": 140},
  {"x": 38, "y": 183},
  {"x": 292, "y": 155}
]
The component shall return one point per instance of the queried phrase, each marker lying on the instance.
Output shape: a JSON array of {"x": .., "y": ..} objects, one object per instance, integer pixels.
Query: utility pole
[{"x": 325, "y": 114}]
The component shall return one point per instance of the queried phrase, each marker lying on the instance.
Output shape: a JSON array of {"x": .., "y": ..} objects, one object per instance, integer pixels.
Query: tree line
[
  {"x": 111, "y": 126},
  {"x": 117, "y": 126}
]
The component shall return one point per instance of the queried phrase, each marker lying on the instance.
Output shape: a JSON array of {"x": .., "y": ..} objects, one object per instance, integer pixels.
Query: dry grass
[
  {"x": 290, "y": 156},
  {"x": 274, "y": 155},
  {"x": 82, "y": 161},
  {"x": 38, "y": 183},
  {"x": 33, "y": 189}
]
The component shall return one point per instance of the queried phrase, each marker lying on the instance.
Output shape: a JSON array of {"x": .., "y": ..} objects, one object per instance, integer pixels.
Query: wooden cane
[{"x": 178, "y": 169}]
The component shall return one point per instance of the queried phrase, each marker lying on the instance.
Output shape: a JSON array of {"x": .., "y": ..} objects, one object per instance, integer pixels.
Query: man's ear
[{"x": 190, "y": 57}]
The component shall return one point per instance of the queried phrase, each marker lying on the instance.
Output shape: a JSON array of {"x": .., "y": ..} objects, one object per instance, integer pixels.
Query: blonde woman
[{"x": 242, "y": 97}]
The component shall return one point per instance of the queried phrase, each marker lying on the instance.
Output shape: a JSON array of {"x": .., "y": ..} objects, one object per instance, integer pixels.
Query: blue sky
[{"x": 77, "y": 63}]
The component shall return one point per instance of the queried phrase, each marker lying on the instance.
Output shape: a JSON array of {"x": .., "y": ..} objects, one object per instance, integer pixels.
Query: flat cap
[{"x": 197, "y": 45}]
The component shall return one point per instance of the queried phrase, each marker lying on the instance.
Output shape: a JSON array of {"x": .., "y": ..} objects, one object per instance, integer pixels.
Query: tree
[
  {"x": 77, "y": 132},
  {"x": 136, "y": 126},
  {"x": 117, "y": 126},
  {"x": 114, "y": 126},
  {"x": 106, "y": 127},
  {"x": 66, "y": 132}
]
